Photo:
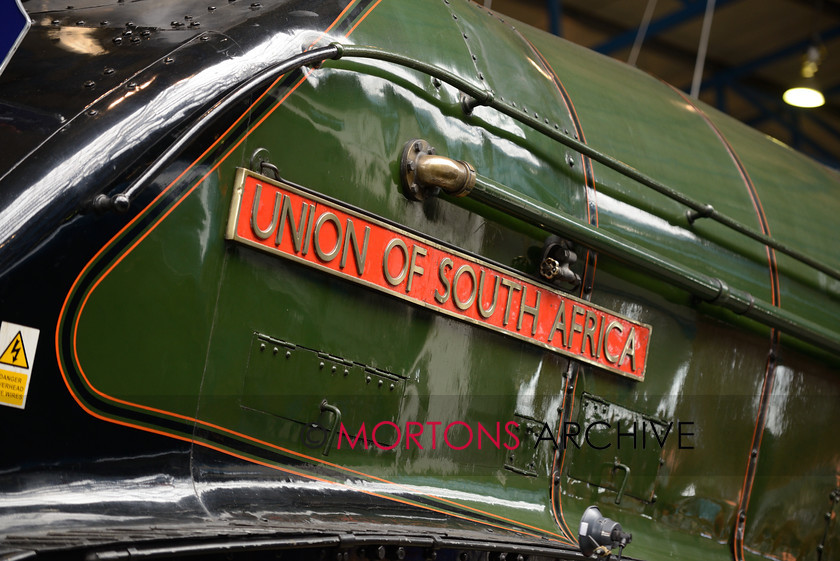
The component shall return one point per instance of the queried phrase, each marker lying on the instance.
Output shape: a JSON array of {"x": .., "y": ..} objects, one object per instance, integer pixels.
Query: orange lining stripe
[{"x": 194, "y": 420}]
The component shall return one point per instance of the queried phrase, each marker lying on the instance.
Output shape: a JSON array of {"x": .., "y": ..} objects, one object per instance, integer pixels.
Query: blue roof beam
[{"x": 692, "y": 9}]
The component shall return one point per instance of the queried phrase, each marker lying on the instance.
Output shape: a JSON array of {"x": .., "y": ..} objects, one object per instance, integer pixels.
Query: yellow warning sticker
[
  {"x": 19, "y": 345},
  {"x": 13, "y": 388},
  {"x": 15, "y": 353}
]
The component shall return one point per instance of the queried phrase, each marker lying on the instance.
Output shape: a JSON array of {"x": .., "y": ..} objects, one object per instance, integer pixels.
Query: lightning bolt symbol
[{"x": 16, "y": 350}]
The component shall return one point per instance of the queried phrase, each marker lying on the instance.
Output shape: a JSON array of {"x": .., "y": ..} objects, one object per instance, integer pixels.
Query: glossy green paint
[{"x": 194, "y": 310}]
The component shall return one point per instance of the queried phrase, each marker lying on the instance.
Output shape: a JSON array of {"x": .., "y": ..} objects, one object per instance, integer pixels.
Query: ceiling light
[{"x": 806, "y": 92}]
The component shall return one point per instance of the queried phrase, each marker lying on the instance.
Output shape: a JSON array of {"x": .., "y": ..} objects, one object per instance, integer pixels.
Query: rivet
[
  {"x": 205, "y": 37},
  {"x": 135, "y": 39},
  {"x": 127, "y": 33},
  {"x": 546, "y": 121},
  {"x": 454, "y": 16},
  {"x": 321, "y": 364},
  {"x": 742, "y": 516},
  {"x": 211, "y": 8},
  {"x": 380, "y": 383},
  {"x": 367, "y": 379},
  {"x": 56, "y": 21},
  {"x": 117, "y": 40},
  {"x": 256, "y": 5},
  {"x": 133, "y": 86},
  {"x": 480, "y": 76},
  {"x": 536, "y": 116},
  {"x": 475, "y": 58},
  {"x": 513, "y": 104},
  {"x": 288, "y": 354},
  {"x": 436, "y": 82},
  {"x": 168, "y": 60},
  {"x": 570, "y": 160},
  {"x": 195, "y": 24},
  {"x": 188, "y": 17},
  {"x": 346, "y": 372},
  {"x": 145, "y": 33},
  {"x": 587, "y": 289},
  {"x": 80, "y": 22},
  {"x": 275, "y": 350},
  {"x": 392, "y": 386},
  {"x": 89, "y": 84},
  {"x": 754, "y": 453},
  {"x": 556, "y": 126},
  {"x": 333, "y": 369},
  {"x": 131, "y": 25},
  {"x": 262, "y": 346},
  {"x": 92, "y": 112},
  {"x": 103, "y": 22}
]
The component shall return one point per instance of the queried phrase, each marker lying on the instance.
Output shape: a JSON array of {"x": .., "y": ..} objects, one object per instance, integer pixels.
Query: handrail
[
  {"x": 712, "y": 290},
  {"x": 481, "y": 96}
]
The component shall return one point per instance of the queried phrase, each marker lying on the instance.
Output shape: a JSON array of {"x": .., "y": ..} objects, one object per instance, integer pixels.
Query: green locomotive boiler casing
[{"x": 212, "y": 341}]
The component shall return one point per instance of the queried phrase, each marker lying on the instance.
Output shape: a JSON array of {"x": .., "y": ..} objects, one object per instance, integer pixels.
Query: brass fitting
[{"x": 423, "y": 173}]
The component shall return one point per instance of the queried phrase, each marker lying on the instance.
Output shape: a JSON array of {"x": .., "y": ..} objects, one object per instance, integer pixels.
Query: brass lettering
[
  {"x": 531, "y": 311},
  {"x": 259, "y": 232},
  {"x": 463, "y": 305},
  {"x": 629, "y": 350},
  {"x": 297, "y": 231},
  {"x": 561, "y": 324},
  {"x": 327, "y": 256},
  {"x": 414, "y": 268},
  {"x": 443, "y": 298},
  {"x": 489, "y": 312},
  {"x": 308, "y": 240},
  {"x": 350, "y": 240},
  {"x": 576, "y": 327},
  {"x": 395, "y": 280},
  {"x": 612, "y": 325},
  {"x": 589, "y": 332},
  {"x": 512, "y": 287}
]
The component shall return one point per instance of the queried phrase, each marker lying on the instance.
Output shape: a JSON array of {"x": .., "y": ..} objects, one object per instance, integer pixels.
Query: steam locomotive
[{"x": 378, "y": 279}]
